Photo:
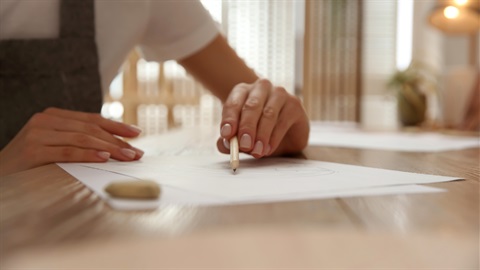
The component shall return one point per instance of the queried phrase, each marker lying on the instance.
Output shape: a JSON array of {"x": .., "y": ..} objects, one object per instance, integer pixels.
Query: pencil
[{"x": 234, "y": 158}]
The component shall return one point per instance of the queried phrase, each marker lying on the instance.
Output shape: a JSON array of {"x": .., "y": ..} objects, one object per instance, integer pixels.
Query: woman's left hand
[{"x": 266, "y": 119}]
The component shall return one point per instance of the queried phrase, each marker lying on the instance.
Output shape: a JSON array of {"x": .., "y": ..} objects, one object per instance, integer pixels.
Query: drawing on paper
[{"x": 270, "y": 167}]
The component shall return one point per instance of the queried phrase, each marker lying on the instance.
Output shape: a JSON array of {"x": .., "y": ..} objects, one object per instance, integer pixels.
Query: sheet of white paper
[
  {"x": 97, "y": 179},
  {"x": 209, "y": 180},
  {"x": 350, "y": 136},
  {"x": 211, "y": 175}
]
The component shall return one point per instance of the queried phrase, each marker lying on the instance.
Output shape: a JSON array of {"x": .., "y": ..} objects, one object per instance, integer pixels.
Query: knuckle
[
  {"x": 269, "y": 113},
  {"x": 231, "y": 104},
  {"x": 241, "y": 86},
  {"x": 295, "y": 101},
  {"x": 264, "y": 83},
  {"x": 92, "y": 129},
  {"x": 280, "y": 91},
  {"x": 37, "y": 118},
  {"x": 67, "y": 153},
  {"x": 239, "y": 89},
  {"x": 93, "y": 117},
  {"x": 30, "y": 136},
  {"x": 81, "y": 139},
  {"x": 252, "y": 103}
]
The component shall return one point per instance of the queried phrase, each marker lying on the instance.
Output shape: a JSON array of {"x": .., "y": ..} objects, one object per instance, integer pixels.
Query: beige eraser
[{"x": 137, "y": 189}]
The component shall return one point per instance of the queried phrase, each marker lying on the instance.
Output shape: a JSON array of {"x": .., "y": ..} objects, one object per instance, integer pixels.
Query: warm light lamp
[
  {"x": 461, "y": 2},
  {"x": 457, "y": 18}
]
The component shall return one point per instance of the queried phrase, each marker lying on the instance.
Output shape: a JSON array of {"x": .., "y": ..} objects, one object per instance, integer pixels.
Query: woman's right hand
[{"x": 57, "y": 135}]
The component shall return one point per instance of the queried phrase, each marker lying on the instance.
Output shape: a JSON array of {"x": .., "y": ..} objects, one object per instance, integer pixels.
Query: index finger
[{"x": 232, "y": 110}]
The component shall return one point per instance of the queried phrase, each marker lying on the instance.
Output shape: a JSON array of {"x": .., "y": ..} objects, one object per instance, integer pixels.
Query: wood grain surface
[{"x": 45, "y": 206}]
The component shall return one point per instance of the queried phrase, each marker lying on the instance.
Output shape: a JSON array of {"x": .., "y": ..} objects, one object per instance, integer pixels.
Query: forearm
[
  {"x": 266, "y": 119},
  {"x": 218, "y": 68}
]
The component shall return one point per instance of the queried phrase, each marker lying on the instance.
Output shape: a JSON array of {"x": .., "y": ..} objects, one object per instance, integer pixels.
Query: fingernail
[
  {"x": 246, "y": 141},
  {"x": 226, "y": 143},
  {"x": 138, "y": 151},
  {"x": 226, "y": 130},
  {"x": 103, "y": 155},
  {"x": 267, "y": 150},
  {"x": 135, "y": 128},
  {"x": 257, "y": 150},
  {"x": 128, "y": 153}
]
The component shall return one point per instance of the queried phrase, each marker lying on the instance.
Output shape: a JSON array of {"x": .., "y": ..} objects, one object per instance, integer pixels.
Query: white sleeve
[{"x": 176, "y": 29}]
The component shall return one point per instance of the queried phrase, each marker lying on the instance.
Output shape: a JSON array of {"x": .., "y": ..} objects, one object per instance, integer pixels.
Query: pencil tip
[{"x": 234, "y": 170}]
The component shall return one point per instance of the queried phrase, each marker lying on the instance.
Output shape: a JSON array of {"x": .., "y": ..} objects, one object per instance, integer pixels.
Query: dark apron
[{"x": 39, "y": 73}]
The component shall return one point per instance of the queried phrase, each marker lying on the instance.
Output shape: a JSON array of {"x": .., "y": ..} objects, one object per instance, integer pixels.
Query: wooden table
[{"x": 46, "y": 207}]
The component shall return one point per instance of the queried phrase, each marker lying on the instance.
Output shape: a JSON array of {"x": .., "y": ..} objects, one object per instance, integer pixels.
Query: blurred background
[{"x": 383, "y": 64}]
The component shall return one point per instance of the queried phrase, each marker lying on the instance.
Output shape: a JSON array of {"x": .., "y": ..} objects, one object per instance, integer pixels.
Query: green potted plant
[{"x": 412, "y": 86}]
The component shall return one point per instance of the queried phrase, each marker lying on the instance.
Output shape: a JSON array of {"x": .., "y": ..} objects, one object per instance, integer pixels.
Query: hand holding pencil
[{"x": 266, "y": 119}]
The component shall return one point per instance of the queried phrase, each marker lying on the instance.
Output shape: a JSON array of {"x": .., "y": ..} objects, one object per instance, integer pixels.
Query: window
[{"x": 270, "y": 36}]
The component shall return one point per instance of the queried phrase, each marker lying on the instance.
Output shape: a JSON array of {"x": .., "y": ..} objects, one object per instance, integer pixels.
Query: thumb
[{"x": 222, "y": 147}]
